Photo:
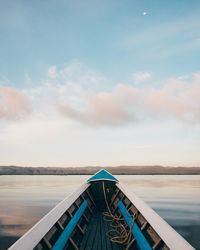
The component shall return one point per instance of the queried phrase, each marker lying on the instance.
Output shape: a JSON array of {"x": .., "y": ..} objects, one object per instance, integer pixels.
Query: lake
[{"x": 26, "y": 199}]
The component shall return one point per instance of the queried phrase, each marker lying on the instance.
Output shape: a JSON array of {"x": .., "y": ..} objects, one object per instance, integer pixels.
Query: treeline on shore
[{"x": 119, "y": 170}]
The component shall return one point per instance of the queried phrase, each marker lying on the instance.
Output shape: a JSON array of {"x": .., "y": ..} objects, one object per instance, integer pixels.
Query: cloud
[
  {"x": 103, "y": 108},
  {"x": 67, "y": 83},
  {"x": 13, "y": 104},
  {"x": 74, "y": 92},
  {"x": 75, "y": 73},
  {"x": 140, "y": 76},
  {"x": 52, "y": 71},
  {"x": 176, "y": 99}
]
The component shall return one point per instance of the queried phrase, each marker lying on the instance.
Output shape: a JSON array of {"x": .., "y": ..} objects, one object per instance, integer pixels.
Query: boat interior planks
[{"x": 101, "y": 215}]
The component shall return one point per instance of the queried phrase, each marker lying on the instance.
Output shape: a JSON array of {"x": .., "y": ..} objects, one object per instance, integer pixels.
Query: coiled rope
[{"x": 119, "y": 233}]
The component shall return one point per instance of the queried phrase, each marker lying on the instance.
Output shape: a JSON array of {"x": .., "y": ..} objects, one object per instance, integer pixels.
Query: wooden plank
[
  {"x": 114, "y": 211},
  {"x": 90, "y": 209},
  {"x": 68, "y": 212},
  {"x": 98, "y": 236},
  {"x": 144, "y": 225},
  {"x": 157, "y": 244},
  {"x": 88, "y": 233},
  {"x": 60, "y": 225},
  {"x": 80, "y": 228},
  {"x": 114, "y": 197},
  {"x": 73, "y": 244},
  {"x": 90, "y": 196},
  {"x": 108, "y": 242},
  {"x": 86, "y": 218},
  {"x": 92, "y": 235},
  {"x": 103, "y": 233},
  {"x": 95, "y": 238},
  {"x": 47, "y": 243}
]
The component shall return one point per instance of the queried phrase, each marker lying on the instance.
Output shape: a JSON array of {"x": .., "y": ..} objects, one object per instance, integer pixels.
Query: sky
[{"x": 100, "y": 83}]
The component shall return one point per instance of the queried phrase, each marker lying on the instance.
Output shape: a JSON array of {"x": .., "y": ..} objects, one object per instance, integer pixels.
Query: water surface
[{"x": 26, "y": 199}]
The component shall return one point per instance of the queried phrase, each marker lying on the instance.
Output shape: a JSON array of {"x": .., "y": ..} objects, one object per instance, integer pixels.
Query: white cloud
[
  {"x": 74, "y": 92},
  {"x": 52, "y": 71},
  {"x": 68, "y": 83},
  {"x": 141, "y": 76},
  {"x": 176, "y": 99},
  {"x": 102, "y": 108},
  {"x": 66, "y": 111},
  {"x": 76, "y": 74},
  {"x": 13, "y": 104}
]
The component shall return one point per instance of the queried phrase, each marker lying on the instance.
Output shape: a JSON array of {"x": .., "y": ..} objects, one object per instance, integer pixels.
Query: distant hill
[{"x": 121, "y": 170}]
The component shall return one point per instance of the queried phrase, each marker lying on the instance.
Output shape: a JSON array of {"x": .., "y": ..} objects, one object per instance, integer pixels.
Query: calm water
[{"x": 25, "y": 199}]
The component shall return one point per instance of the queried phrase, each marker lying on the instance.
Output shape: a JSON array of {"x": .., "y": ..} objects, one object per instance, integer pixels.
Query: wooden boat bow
[{"x": 102, "y": 214}]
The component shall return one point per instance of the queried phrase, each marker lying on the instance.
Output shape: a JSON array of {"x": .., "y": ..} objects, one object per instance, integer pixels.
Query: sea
[{"x": 26, "y": 199}]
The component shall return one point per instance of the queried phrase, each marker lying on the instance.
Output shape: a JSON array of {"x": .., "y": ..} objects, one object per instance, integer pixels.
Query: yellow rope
[{"x": 123, "y": 235}]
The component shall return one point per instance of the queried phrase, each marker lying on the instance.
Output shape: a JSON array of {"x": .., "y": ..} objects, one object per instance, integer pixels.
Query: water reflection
[{"x": 26, "y": 199}]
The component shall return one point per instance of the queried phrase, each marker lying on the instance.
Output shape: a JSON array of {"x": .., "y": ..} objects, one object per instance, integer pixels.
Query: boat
[{"x": 101, "y": 214}]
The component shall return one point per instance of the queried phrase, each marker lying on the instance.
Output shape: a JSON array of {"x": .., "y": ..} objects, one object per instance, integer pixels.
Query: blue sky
[
  {"x": 106, "y": 35},
  {"x": 99, "y": 82}
]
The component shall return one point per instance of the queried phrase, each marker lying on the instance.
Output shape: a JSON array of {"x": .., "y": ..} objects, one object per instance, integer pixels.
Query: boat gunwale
[
  {"x": 34, "y": 235},
  {"x": 169, "y": 235}
]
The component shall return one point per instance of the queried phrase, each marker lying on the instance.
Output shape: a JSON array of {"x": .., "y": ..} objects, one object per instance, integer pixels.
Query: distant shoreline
[
  {"x": 90, "y": 174},
  {"x": 118, "y": 170}
]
